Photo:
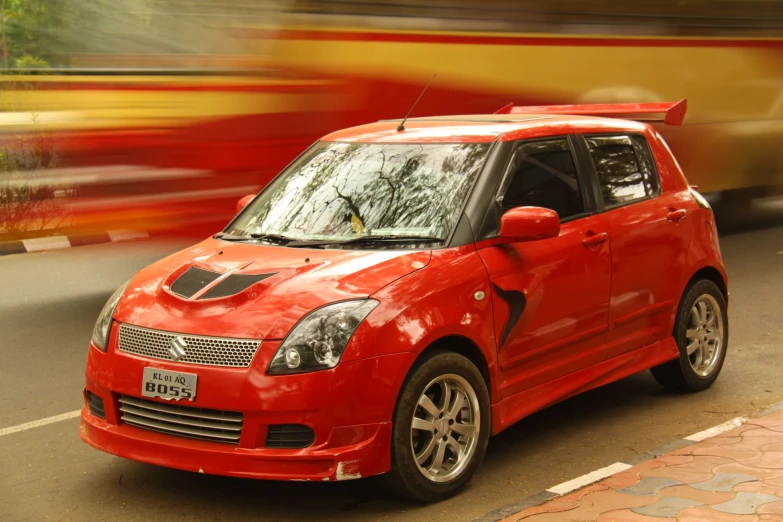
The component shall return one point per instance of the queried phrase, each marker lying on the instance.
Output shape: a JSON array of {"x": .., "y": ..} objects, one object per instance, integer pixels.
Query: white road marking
[
  {"x": 127, "y": 235},
  {"x": 46, "y": 243},
  {"x": 584, "y": 480},
  {"x": 715, "y": 430},
  {"x": 40, "y": 422}
]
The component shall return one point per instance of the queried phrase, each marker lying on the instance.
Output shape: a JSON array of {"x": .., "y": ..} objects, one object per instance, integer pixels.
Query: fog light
[
  {"x": 290, "y": 436},
  {"x": 292, "y": 358},
  {"x": 95, "y": 405}
]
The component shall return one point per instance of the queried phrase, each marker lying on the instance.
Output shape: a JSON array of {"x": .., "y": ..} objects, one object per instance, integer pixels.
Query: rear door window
[{"x": 624, "y": 167}]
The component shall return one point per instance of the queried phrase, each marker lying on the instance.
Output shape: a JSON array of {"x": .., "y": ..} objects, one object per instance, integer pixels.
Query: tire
[
  {"x": 697, "y": 371},
  {"x": 430, "y": 376}
]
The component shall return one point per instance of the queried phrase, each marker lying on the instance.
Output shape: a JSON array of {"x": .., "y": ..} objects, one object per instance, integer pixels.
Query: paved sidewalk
[{"x": 736, "y": 476}]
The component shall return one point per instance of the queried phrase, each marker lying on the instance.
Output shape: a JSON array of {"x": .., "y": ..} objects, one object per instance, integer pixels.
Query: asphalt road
[{"x": 50, "y": 301}]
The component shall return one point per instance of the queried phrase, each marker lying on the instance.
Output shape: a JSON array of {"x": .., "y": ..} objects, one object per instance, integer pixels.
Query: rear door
[
  {"x": 550, "y": 297},
  {"x": 649, "y": 230}
]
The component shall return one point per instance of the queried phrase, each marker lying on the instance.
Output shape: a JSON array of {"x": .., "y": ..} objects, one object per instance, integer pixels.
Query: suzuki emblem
[{"x": 177, "y": 348}]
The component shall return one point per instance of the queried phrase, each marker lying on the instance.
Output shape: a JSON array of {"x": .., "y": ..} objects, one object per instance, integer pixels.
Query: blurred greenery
[
  {"x": 31, "y": 31},
  {"x": 28, "y": 198},
  {"x": 30, "y": 62}
]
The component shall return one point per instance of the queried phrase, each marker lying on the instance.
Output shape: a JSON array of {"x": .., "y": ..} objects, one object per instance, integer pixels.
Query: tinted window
[
  {"x": 544, "y": 175},
  {"x": 624, "y": 167}
]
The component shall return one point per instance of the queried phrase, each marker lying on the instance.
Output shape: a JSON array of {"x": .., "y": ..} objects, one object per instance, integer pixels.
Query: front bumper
[
  {"x": 369, "y": 456},
  {"x": 349, "y": 408}
]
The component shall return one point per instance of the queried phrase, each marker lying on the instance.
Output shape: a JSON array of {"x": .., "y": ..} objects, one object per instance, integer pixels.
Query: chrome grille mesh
[
  {"x": 182, "y": 421},
  {"x": 212, "y": 351}
]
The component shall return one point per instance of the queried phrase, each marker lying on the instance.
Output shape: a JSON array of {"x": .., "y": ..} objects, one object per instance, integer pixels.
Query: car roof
[{"x": 481, "y": 128}]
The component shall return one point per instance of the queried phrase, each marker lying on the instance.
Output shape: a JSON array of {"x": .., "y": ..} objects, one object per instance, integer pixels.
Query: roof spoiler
[{"x": 672, "y": 113}]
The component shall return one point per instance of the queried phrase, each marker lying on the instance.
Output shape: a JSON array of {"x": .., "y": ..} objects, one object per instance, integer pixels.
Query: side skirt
[{"x": 512, "y": 409}]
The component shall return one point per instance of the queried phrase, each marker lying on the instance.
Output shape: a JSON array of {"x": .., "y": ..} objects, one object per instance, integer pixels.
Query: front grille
[
  {"x": 291, "y": 436},
  {"x": 182, "y": 421},
  {"x": 212, "y": 351},
  {"x": 95, "y": 404}
]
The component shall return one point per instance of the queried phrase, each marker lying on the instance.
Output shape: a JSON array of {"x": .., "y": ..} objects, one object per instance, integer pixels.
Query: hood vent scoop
[
  {"x": 234, "y": 284},
  {"x": 191, "y": 281}
]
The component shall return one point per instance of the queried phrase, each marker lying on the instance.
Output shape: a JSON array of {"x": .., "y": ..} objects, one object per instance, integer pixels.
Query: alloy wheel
[
  {"x": 704, "y": 336},
  {"x": 445, "y": 428}
]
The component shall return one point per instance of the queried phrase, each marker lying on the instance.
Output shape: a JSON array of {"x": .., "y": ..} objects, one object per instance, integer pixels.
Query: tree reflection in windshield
[{"x": 344, "y": 190}]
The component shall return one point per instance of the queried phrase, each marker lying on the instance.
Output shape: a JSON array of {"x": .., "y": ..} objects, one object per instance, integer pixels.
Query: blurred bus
[{"x": 170, "y": 110}]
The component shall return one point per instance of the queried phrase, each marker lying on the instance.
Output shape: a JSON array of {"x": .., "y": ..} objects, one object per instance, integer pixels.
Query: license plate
[{"x": 168, "y": 385}]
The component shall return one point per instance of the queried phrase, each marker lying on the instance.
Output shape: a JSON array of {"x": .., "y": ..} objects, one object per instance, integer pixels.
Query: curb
[
  {"x": 40, "y": 244},
  {"x": 606, "y": 472}
]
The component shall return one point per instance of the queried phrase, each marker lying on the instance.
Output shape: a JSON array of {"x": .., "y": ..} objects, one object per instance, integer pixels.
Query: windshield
[{"x": 347, "y": 191}]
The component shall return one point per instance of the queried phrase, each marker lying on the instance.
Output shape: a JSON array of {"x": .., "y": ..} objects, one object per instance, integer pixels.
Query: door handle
[
  {"x": 676, "y": 215},
  {"x": 595, "y": 239}
]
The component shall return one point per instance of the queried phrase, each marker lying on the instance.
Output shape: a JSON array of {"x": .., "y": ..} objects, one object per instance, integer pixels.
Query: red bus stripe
[{"x": 531, "y": 40}]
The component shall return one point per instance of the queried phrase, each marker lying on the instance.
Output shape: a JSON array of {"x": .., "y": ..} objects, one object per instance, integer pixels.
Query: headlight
[
  {"x": 317, "y": 342},
  {"x": 100, "y": 334}
]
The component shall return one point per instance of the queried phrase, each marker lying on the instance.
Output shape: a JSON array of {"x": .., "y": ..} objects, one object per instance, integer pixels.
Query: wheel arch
[
  {"x": 708, "y": 272},
  {"x": 711, "y": 274},
  {"x": 466, "y": 348}
]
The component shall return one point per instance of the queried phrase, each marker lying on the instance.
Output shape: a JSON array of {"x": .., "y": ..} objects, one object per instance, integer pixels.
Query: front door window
[{"x": 543, "y": 174}]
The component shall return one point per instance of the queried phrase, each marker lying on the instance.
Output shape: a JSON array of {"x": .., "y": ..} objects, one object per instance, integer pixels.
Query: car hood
[{"x": 288, "y": 283}]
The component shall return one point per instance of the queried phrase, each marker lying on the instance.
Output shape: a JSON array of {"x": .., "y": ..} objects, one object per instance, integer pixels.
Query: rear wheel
[
  {"x": 701, "y": 332},
  {"x": 440, "y": 428}
]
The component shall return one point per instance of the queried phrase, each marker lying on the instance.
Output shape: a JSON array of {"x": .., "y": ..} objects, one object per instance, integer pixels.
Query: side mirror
[
  {"x": 529, "y": 224},
  {"x": 244, "y": 201}
]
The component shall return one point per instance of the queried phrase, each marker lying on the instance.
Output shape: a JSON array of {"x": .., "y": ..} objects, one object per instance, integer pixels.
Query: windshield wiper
[
  {"x": 230, "y": 237},
  {"x": 294, "y": 243},
  {"x": 393, "y": 238},
  {"x": 367, "y": 239},
  {"x": 277, "y": 238}
]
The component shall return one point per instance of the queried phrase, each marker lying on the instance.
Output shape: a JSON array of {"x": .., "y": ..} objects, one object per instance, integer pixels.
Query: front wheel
[
  {"x": 702, "y": 334},
  {"x": 440, "y": 428}
]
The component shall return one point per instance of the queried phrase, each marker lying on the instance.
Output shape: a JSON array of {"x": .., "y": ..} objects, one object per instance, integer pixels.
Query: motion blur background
[{"x": 158, "y": 115}]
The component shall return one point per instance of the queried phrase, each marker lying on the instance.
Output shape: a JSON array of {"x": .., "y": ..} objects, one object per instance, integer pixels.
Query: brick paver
[{"x": 736, "y": 476}]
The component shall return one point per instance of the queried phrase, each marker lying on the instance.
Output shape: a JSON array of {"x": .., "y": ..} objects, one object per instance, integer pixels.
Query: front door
[{"x": 550, "y": 297}]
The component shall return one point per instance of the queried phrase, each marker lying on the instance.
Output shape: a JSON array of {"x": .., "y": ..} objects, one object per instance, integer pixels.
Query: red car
[{"x": 402, "y": 292}]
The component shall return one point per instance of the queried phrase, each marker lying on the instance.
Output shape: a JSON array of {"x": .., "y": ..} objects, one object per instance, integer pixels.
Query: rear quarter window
[{"x": 625, "y": 168}]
